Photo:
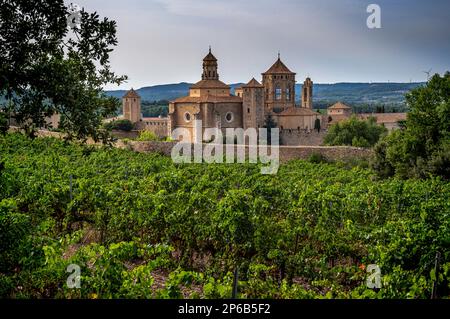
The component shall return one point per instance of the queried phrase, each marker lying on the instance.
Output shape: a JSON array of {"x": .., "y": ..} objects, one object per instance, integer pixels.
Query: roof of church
[
  {"x": 278, "y": 67},
  {"x": 297, "y": 111},
  {"x": 384, "y": 117},
  {"x": 131, "y": 94},
  {"x": 252, "y": 84},
  {"x": 339, "y": 105},
  {"x": 210, "y": 84},
  {"x": 209, "y": 99},
  {"x": 210, "y": 56}
]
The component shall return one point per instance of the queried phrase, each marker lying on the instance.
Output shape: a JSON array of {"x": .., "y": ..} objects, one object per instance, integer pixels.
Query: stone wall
[
  {"x": 124, "y": 134},
  {"x": 286, "y": 153},
  {"x": 163, "y": 148},
  {"x": 333, "y": 153},
  {"x": 301, "y": 137}
]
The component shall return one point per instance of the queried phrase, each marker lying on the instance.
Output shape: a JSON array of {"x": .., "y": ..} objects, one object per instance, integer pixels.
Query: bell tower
[
  {"x": 279, "y": 85},
  {"x": 131, "y": 102},
  {"x": 307, "y": 92},
  {"x": 210, "y": 67}
]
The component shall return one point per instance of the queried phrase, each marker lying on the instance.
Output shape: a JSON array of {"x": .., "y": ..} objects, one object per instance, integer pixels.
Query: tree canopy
[
  {"x": 422, "y": 148},
  {"x": 50, "y": 66},
  {"x": 355, "y": 132}
]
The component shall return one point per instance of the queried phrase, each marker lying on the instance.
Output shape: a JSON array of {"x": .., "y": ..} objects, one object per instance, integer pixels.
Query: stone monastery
[
  {"x": 251, "y": 106},
  {"x": 211, "y": 101}
]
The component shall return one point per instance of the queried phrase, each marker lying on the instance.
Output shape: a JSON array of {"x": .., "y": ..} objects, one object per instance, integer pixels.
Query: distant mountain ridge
[{"x": 352, "y": 93}]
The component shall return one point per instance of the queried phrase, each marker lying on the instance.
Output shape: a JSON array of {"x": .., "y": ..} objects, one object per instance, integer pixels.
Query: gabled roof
[
  {"x": 131, "y": 94},
  {"x": 210, "y": 84},
  {"x": 278, "y": 67},
  {"x": 253, "y": 84},
  {"x": 339, "y": 105}
]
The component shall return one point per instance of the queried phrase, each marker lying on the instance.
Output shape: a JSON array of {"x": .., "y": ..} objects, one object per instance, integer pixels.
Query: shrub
[
  {"x": 145, "y": 136},
  {"x": 3, "y": 123},
  {"x": 317, "y": 125},
  {"x": 317, "y": 158},
  {"x": 355, "y": 132},
  {"x": 122, "y": 125},
  {"x": 14, "y": 229}
]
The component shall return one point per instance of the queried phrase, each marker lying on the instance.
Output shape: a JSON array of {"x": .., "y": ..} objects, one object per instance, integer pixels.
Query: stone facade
[
  {"x": 211, "y": 102},
  {"x": 157, "y": 125},
  {"x": 132, "y": 106},
  {"x": 302, "y": 137},
  {"x": 297, "y": 119},
  {"x": 253, "y": 104},
  {"x": 307, "y": 94},
  {"x": 279, "y": 85}
]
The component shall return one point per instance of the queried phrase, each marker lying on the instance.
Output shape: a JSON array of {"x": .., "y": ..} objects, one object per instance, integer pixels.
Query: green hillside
[{"x": 351, "y": 93}]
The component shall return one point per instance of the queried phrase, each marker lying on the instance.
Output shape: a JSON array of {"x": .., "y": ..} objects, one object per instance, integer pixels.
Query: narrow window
[{"x": 277, "y": 94}]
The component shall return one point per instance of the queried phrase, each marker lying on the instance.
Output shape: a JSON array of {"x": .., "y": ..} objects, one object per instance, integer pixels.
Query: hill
[
  {"x": 162, "y": 92},
  {"x": 351, "y": 93}
]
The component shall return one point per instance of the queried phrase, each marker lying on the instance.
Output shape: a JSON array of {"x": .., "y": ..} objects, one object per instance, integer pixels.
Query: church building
[{"x": 211, "y": 101}]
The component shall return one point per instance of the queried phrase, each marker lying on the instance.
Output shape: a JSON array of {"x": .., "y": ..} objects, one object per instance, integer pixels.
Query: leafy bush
[
  {"x": 3, "y": 123},
  {"x": 355, "y": 132},
  {"x": 122, "y": 125},
  {"x": 147, "y": 136},
  {"x": 14, "y": 229},
  {"x": 317, "y": 158}
]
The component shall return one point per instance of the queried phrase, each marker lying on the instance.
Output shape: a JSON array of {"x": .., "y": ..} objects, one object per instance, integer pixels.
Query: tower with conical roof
[
  {"x": 210, "y": 67},
  {"x": 209, "y": 104},
  {"x": 210, "y": 85},
  {"x": 279, "y": 85},
  {"x": 131, "y": 103}
]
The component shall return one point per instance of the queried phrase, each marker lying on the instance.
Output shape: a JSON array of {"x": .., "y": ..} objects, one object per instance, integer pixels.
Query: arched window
[{"x": 277, "y": 94}]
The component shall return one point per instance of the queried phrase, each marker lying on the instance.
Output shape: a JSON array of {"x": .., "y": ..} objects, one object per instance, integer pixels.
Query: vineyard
[{"x": 140, "y": 226}]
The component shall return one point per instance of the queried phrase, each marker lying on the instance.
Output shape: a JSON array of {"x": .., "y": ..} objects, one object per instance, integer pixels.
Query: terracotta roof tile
[
  {"x": 209, "y": 57},
  {"x": 210, "y": 84},
  {"x": 384, "y": 117},
  {"x": 297, "y": 111},
  {"x": 131, "y": 94},
  {"x": 252, "y": 84},
  {"x": 278, "y": 67},
  {"x": 209, "y": 99},
  {"x": 339, "y": 105}
]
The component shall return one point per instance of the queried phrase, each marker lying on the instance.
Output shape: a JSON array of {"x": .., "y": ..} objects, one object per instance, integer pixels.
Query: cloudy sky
[{"x": 164, "y": 41}]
